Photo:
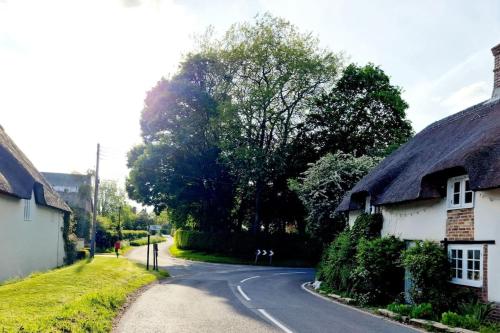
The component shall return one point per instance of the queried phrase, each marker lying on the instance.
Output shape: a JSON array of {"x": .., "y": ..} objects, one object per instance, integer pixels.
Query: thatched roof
[
  {"x": 466, "y": 142},
  {"x": 19, "y": 178}
]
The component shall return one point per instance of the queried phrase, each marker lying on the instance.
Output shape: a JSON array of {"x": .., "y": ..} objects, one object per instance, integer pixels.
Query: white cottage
[
  {"x": 444, "y": 185},
  {"x": 31, "y": 216}
]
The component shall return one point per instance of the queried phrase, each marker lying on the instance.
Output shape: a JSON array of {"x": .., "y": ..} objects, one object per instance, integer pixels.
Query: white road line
[
  {"x": 243, "y": 293},
  {"x": 288, "y": 273},
  {"x": 253, "y": 277},
  {"x": 274, "y": 321}
]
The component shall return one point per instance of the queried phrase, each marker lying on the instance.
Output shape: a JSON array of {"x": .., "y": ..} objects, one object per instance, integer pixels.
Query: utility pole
[{"x": 94, "y": 211}]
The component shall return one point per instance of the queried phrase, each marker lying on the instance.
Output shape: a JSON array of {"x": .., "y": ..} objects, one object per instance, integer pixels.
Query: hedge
[
  {"x": 244, "y": 245},
  {"x": 134, "y": 234}
]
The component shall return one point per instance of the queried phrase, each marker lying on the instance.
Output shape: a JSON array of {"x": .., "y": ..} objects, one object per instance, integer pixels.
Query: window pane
[
  {"x": 453, "y": 273},
  {"x": 476, "y": 265},
  {"x": 476, "y": 276},
  {"x": 468, "y": 197},
  {"x": 476, "y": 254},
  {"x": 456, "y": 199},
  {"x": 470, "y": 254},
  {"x": 456, "y": 187},
  {"x": 460, "y": 264},
  {"x": 469, "y": 264},
  {"x": 453, "y": 253},
  {"x": 460, "y": 254},
  {"x": 469, "y": 275},
  {"x": 459, "y": 275},
  {"x": 467, "y": 185}
]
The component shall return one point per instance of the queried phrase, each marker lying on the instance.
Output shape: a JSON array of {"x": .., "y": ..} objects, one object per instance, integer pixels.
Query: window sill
[
  {"x": 475, "y": 284},
  {"x": 461, "y": 207}
]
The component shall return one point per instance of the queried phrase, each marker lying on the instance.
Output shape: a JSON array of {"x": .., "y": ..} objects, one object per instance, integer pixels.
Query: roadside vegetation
[
  {"x": 232, "y": 140},
  {"x": 83, "y": 297},
  {"x": 362, "y": 265}
]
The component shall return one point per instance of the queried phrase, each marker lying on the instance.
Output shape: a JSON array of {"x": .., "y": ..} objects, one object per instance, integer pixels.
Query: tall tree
[
  {"x": 363, "y": 114},
  {"x": 178, "y": 164},
  {"x": 275, "y": 73}
]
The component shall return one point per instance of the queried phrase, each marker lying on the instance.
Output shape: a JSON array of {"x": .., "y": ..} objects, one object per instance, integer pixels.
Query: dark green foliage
[
  {"x": 82, "y": 254},
  {"x": 133, "y": 234},
  {"x": 428, "y": 265},
  {"x": 244, "y": 245},
  {"x": 367, "y": 226},
  {"x": 480, "y": 311},
  {"x": 455, "y": 320},
  {"x": 338, "y": 263},
  {"x": 422, "y": 311},
  {"x": 83, "y": 222},
  {"x": 363, "y": 114},
  {"x": 105, "y": 238},
  {"x": 69, "y": 239},
  {"x": 402, "y": 309},
  {"x": 339, "y": 259},
  {"x": 378, "y": 277},
  {"x": 144, "y": 240}
]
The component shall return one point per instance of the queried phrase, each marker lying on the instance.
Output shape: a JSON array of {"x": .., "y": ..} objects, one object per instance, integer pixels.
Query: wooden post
[
  {"x": 147, "y": 260},
  {"x": 94, "y": 210}
]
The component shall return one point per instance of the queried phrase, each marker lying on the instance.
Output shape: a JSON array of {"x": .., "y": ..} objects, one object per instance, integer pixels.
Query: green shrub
[
  {"x": 429, "y": 268},
  {"x": 480, "y": 311},
  {"x": 455, "y": 320},
  {"x": 134, "y": 234},
  {"x": 144, "y": 241},
  {"x": 378, "y": 277},
  {"x": 402, "y": 309},
  {"x": 339, "y": 262},
  {"x": 367, "y": 226},
  {"x": 422, "y": 311},
  {"x": 82, "y": 254},
  {"x": 244, "y": 245}
]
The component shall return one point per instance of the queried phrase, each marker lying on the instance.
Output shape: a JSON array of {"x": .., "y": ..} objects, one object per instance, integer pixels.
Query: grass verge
[
  {"x": 224, "y": 259},
  {"x": 84, "y": 297}
]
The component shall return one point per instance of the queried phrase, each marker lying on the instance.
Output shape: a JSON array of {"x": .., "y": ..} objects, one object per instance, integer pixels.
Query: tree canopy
[{"x": 250, "y": 110}]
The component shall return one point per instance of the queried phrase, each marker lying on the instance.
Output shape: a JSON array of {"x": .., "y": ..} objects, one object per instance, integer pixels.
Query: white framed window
[
  {"x": 27, "y": 209},
  {"x": 466, "y": 264},
  {"x": 459, "y": 193}
]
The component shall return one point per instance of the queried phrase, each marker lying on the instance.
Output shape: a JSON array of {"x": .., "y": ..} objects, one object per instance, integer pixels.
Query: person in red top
[{"x": 117, "y": 248}]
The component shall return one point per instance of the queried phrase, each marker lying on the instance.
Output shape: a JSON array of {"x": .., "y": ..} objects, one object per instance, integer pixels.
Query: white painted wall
[
  {"x": 353, "y": 215},
  {"x": 487, "y": 227},
  {"x": 29, "y": 246},
  {"x": 419, "y": 220}
]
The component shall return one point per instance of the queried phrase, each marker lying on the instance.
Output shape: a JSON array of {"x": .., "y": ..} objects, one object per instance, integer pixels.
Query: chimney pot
[{"x": 496, "y": 72}]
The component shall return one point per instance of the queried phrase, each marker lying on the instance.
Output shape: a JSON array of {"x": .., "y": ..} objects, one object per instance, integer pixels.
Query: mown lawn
[
  {"x": 84, "y": 297},
  {"x": 223, "y": 259}
]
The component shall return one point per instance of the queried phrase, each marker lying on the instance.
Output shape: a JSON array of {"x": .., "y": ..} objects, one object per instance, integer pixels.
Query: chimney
[{"x": 496, "y": 72}]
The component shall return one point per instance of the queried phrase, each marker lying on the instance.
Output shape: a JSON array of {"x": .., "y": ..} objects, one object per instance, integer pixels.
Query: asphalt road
[{"x": 203, "y": 297}]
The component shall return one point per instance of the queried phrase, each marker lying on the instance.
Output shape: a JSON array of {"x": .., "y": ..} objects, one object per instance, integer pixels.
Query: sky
[{"x": 75, "y": 73}]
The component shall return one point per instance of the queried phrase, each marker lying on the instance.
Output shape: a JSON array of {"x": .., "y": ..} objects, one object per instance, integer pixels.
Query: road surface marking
[
  {"x": 253, "y": 277},
  {"x": 288, "y": 273},
  {"x": 243, "y": 293},
  {"x": 274, "y": 321}
]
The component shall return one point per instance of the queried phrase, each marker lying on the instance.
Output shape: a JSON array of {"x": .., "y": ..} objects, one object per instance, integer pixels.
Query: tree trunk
[{"x": 258, "y": 205}]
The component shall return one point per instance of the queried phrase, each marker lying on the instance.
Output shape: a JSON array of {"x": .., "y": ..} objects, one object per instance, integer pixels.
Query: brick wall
[
  {"x": 495, "y": 315},
  {"x": 460, "y": 224}
]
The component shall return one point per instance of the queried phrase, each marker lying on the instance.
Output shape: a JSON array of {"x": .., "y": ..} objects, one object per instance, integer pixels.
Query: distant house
[
  {"x": 444, "y": 185},
  {"x": 76, "y": 191},
  {"x": 32, "y": 215}
]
